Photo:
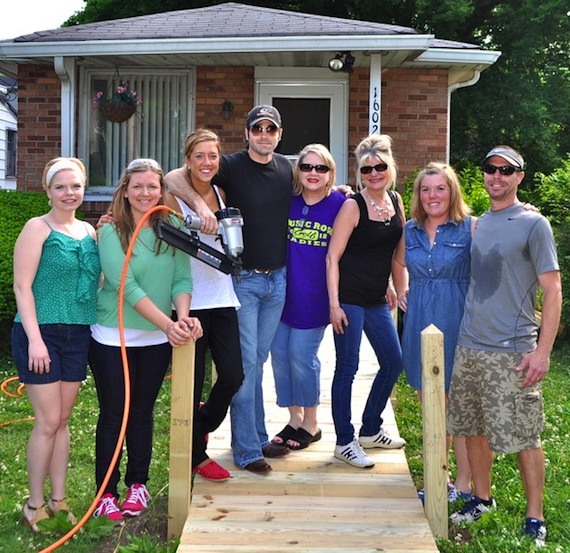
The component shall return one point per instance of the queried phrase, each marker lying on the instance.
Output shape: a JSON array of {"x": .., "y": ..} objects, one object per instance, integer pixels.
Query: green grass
[
  {"x": 499, "y": 533},
  {"x": 15, "y": 538}
]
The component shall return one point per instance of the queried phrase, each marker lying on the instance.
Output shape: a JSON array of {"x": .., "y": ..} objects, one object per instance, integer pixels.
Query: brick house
[{"x": 207, "y": 67}]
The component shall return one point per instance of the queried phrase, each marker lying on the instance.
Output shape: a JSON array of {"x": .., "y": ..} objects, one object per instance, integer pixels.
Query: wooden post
[
  {"x": 434, "y": 427},
  {"x": 181, "y": 420}
]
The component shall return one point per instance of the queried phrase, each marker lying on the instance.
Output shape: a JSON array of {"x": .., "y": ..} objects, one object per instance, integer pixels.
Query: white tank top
[{"x": 212, "y": 288}]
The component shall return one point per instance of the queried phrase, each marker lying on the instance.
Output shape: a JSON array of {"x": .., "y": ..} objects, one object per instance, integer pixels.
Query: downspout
[
  {"x": 65, "y": 69},
  {"x": 451, "y": 89}
]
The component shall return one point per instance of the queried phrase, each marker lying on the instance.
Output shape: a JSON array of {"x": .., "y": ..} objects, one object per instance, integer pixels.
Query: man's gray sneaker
[
  {"x": 536, "y": 529},
  {"x": 474, "y": 510}
]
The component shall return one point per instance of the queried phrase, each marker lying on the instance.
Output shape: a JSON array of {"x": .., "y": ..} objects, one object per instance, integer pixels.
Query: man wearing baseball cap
[
  {"x": 261, "y": 113},
  {"x": 495, "y": 399},
  {"x": 259, "y": 182}
]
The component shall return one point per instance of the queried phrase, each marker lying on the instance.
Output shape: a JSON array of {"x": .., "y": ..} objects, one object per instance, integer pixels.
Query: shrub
[
  {"x": 15, "y": 209},
  {"x": 551, "y": 193}
]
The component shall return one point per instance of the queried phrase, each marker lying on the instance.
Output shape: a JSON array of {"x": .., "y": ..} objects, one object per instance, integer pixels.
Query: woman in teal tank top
[{"x": 56, "y": 275}]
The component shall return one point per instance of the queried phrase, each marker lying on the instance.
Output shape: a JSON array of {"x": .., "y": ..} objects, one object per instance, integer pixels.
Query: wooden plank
[
  {"x": 181, "y": 414},
  {"x": 311, "y": 502},
  {"x": 434, "y": 431}
]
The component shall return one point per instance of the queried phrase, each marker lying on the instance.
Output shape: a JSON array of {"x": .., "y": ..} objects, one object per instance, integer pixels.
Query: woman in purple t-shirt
[{"x": 296, "y": 366}]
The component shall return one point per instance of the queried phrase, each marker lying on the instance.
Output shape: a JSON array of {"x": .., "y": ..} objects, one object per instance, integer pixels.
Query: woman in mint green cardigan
[{"x": 158, "y": 277}]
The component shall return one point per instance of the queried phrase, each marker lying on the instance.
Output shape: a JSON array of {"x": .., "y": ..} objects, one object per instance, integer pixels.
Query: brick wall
[
  {"x": 215, "y": 85},
  {"x": 39, "y": 135},
  {"x": 414, "y": 114}
]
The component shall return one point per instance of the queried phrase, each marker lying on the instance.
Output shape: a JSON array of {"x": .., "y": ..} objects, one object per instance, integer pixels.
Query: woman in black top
[{"x": 365, "y": 235}]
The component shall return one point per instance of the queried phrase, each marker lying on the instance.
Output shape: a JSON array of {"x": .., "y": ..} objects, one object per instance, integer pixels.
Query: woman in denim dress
[{"x": 437, "y": 256}]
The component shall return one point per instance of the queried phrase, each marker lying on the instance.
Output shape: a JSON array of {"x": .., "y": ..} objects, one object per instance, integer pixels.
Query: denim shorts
[{"x": 68, "y": 346}]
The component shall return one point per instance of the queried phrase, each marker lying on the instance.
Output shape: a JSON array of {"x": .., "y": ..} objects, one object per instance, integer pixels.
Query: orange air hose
[{"x": 123, "y": 430}]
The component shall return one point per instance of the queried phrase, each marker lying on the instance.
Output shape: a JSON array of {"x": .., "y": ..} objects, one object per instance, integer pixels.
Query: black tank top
[{"x": 366, "y": 263}]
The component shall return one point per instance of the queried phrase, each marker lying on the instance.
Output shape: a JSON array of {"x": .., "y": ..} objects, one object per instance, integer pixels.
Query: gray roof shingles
[{"x": 221, "y": 21}]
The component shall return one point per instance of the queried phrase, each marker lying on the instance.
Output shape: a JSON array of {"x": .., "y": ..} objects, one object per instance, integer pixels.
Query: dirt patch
[{"x": 153, "y": 523}]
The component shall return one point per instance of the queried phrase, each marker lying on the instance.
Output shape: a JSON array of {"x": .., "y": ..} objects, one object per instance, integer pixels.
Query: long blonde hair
[
  {"x": 458, "y": 209},
  {"x": 121, "y": 208}
]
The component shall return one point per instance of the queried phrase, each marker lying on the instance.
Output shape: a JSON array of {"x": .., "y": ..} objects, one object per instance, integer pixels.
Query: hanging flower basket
[
  {"x": 117, "y": 106},
  {"x": 116, "y": 112}
]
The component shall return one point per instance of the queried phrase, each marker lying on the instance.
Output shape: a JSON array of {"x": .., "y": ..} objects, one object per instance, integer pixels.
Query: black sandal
[
  {"x": 304, "y": 439},
  {"x": 284, "y": 435}
]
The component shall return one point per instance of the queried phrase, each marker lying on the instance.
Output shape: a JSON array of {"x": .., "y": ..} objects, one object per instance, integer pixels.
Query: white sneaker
[
  {"x": 353, "y": 455},
  {"x": 382, "y": 439}
]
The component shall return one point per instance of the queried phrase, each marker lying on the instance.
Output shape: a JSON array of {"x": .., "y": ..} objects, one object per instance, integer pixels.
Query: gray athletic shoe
[{"x": 473, "y": 510}]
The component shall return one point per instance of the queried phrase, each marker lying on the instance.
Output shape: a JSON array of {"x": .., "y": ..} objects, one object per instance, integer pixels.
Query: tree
[{"x": 522, "y": 100}]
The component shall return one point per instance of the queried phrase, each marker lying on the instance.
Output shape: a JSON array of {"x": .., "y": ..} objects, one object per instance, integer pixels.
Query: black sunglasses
[
  {"x": 367, "y": 169},
  {"x": 307, "y": 168},
  {"x": 503, "y": 169},
  {"x": 256, "y": 130}
]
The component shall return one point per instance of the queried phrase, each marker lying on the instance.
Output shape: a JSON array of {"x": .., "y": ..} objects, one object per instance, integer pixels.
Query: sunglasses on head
[
  {"x": 256, "y": 130},
  {"x": 503, "y": 169},
  {"x": 367, "y": 169},
  {"x": 307, "y": 168}
]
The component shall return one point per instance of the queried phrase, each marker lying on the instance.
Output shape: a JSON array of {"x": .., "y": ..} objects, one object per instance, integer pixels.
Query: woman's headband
[{"x": 58, "y": 166}]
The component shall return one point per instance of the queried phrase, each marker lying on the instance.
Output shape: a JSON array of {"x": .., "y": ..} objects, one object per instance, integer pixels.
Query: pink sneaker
[
  {"x": 108, "y": 507},
  {"x": 136, "y": 501}
]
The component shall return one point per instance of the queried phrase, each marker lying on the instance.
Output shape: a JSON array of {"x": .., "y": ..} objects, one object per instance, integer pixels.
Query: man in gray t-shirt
[{"x": 495, "y": 399}]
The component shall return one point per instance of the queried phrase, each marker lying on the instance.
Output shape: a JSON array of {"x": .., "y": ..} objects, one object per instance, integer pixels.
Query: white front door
[{"x": 313, "y": 103}]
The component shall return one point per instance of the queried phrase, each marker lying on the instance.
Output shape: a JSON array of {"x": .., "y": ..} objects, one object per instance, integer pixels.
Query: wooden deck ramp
[{"x": 310, "y": 502}]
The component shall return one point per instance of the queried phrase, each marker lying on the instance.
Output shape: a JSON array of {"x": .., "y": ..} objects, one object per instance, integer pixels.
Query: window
[
  {"x": 10, "y": 153},
  {"x": 157, "y": 130}
]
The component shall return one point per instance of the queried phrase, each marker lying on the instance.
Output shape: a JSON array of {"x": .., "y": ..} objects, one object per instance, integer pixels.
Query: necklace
[{"x": 382, "y": 212}]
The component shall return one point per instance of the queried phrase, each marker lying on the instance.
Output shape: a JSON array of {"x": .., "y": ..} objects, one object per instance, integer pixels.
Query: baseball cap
[
  {"x": 259, "y": 113},
  {"x": 508, "y": 153}
]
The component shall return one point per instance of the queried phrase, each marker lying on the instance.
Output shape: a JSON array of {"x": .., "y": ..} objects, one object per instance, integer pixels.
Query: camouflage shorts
[{"x": 486, "y": 397}]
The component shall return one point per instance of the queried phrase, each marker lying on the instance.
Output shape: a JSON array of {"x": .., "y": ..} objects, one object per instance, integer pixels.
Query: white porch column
[{"x": 375, "y": 101}]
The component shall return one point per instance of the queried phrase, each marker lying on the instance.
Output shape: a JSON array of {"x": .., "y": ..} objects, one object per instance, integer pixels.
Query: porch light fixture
[
  {"x": 338, "y": 64},
  {"x": 227, "y": 108}
]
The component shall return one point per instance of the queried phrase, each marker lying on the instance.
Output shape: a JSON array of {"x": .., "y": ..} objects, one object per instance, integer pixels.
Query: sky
[{"x": 22, "y": 17}]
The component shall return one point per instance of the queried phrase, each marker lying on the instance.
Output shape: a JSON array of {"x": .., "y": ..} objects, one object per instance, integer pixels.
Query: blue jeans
[
  {"x": 296, "y": 367},
  {"x": 262, "y": 297},
  {"x": 378, "y": 325}
]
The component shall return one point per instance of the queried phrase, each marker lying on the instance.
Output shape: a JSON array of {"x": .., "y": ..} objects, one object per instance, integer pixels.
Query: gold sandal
[
  {"x": 55, "y": 505},
  {"x": 39, "y": 513}
]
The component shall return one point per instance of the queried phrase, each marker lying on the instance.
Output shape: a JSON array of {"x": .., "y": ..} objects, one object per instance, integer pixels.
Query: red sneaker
[
  {"x": 108, "y": 507},
  {"x": 136, "y": 500},
  {"x": 213, "y": 471}
]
